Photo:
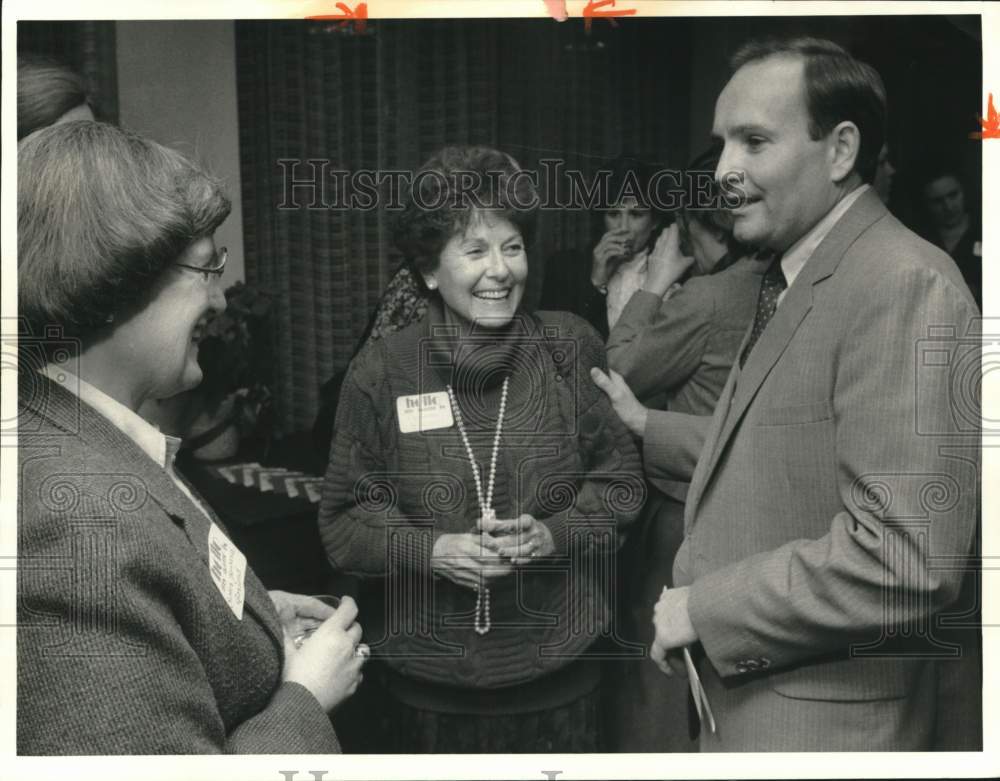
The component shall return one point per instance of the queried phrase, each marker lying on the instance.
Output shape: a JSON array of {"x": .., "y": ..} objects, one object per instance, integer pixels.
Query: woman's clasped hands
[{"x": 492, "y": 550}]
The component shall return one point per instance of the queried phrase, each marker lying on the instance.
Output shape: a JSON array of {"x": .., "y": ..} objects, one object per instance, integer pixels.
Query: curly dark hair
[{"x": 449, "y": 188}]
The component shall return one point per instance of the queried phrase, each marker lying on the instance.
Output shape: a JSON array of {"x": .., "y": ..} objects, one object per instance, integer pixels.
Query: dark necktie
[{"x": 771, "y": 287}]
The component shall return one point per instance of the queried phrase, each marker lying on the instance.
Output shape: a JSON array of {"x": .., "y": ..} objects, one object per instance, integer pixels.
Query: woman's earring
[
  {"x": 109, "y": 319},
  {"x": 432, "y": 285}
]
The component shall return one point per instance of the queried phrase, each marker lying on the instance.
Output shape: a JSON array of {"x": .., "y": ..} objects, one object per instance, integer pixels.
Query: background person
[
  {"x": 885, "y": 172},
  {"x": 496, "y": 485},
  {"x": 675, "y": 353},
  {"x": 48, "y": 93},
  {"x": 952, "y": 227},
  {"x": 619, "y": 261},
  {"x": 153, "y": 638}
]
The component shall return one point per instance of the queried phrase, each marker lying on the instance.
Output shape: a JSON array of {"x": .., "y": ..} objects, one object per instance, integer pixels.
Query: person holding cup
[
  {"x": 141, "y": 630},
  {"x": 597, "y": 284},
  {"x": 477, "y": 484},
  {"x": 620, "y": 260}
]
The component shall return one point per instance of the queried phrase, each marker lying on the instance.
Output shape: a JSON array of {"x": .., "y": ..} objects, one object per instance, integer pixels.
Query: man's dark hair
[{"x": 838, "y": 88}]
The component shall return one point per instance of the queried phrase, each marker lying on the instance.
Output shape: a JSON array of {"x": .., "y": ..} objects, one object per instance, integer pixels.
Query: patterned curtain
[
  {"x": 386, "y": 99},
  {"x": 86, "y": 47}
]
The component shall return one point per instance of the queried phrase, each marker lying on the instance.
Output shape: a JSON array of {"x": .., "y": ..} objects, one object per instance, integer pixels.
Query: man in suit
[{"x": 833, "y": 492}]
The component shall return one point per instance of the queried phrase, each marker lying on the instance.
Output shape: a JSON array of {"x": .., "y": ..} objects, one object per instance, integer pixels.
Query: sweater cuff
[
  {"x": 671, "y": 445},
  {"x": 412, "y": 546},
  {"x": 559, "y": 529}
]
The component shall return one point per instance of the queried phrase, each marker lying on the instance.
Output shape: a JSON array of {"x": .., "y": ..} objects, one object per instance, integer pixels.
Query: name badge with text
[
  {"x": 424, "y": 412},
  {"x": 229, "y": 568}
]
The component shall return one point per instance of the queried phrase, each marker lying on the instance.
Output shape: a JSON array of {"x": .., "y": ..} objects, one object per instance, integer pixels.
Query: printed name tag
[
  {"x": 228, "y": 567},
  {"x": 424, "y": 412}
]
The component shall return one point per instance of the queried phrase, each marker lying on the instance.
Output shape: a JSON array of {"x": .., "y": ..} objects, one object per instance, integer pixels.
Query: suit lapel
[
  {"x": 196, "y": 526},
  {"x": 66, "y": 412},
  {"x": 743, "y": 385}
]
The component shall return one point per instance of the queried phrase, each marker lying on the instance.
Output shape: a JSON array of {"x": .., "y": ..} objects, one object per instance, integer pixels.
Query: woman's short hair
[
  {"x": 45, "y": 91},
  {"x": 450, "y": 188},
  {"x": 101, "y": 212},
  {"x": 838, "y": 88},
  {"x": 626, "y": 177},
  {"x": 704, "y": 203}
]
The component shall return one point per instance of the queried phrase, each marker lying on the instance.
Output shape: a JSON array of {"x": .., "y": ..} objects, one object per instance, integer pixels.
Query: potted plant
[{"x": 232, "y": 405}]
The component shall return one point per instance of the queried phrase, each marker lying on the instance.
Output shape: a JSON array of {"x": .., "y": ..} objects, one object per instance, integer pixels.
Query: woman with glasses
[
  {"x": 477, "y": 484},
  {"x": 140, "y": 628}
]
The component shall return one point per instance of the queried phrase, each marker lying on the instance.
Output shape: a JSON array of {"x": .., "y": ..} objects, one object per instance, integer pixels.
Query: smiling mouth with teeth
[{"x": 492, "y": 295}]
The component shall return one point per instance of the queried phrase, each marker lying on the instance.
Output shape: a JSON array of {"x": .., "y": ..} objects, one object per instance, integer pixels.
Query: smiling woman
[
  {"x": 477, "y": 474},
  {"x": 116, "y": 268}
]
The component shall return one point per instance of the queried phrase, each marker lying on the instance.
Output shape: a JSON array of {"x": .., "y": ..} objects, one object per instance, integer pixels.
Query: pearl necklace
[{"x": 482, "y": 621}]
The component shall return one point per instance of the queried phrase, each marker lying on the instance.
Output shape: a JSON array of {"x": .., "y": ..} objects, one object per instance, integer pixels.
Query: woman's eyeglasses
[{"x": 214, "y": 269}]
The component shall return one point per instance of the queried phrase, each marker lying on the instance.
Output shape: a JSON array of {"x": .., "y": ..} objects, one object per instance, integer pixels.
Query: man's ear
[{"x": 845, "y": 145}]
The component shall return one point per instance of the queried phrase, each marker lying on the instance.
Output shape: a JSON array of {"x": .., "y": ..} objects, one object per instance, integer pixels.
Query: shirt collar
[
  {"x": 793, "y": 261},
  {"x": 158, "y": 446}
]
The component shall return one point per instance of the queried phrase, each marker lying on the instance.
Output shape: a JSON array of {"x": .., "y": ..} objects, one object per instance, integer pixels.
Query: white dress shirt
[
  {"x": 629, "y": 277},
  {"x": 160, "y": 447},
  {"x": 793, "y": 261}
]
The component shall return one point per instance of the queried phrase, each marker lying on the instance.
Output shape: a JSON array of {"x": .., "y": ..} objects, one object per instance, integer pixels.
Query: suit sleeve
[
  {"x": 657, "y": 345},
  {"x": 105, "y": 666},
  {"x": 612, "y": 485},
  {"x": 358, "y": 493},
  {"x": 293, "y": 723},
  {"x": 672, "y": 443},
  {"x": 900, "y": 456}
]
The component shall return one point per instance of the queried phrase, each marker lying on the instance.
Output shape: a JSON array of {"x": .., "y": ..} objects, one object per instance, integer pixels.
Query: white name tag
[
  {"x": 228, "y": 567},
  {"x": 424, "y": 412}
]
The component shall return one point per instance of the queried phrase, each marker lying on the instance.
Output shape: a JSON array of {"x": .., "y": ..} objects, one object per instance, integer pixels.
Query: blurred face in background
[
  {"x": 945, "y": 202},
  {"x": 884, "y": 171},
  {"x": 634, "y": 221},
  {"x": 707, "y": 247}
]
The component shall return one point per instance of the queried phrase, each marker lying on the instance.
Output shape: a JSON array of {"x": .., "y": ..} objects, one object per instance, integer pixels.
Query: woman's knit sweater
[{"x": 564, "y": 458}]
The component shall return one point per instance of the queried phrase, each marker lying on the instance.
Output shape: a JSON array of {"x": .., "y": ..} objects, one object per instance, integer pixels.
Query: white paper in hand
[{"x": 701, "y": 703}]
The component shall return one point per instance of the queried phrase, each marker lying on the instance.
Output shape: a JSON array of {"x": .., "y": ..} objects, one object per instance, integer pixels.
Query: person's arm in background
[
  {"x": 657, "y": 344},
  {"x": 612, "y": 485}
]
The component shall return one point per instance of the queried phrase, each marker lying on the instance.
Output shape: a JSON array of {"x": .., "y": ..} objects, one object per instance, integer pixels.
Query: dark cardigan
[{"x": 565, "y": 458}]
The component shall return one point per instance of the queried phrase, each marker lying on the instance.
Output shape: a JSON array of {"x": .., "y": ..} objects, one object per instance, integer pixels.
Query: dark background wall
[{"x": 242, "y": 95}]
